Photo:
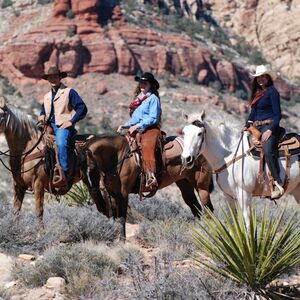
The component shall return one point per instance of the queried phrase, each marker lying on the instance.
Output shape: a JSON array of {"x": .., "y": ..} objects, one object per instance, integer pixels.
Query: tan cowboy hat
[
  {"x": 262, "y": 69},
  {"x": 54, "y": 71}
]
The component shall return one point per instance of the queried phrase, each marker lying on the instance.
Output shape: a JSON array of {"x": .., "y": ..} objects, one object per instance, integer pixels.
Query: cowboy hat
[
  {"x": 261, "y": 70},
  {"x": 148, "y": 77},
  {"x": 54, "y": 71}
]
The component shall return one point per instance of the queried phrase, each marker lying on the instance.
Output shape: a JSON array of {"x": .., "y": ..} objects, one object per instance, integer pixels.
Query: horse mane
[{"x": 20, "y": 123}]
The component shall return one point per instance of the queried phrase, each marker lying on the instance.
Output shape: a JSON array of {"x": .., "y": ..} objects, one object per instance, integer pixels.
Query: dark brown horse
[
  {"x": 23, "y": 137},
  {"x": 111, "y": 163}
]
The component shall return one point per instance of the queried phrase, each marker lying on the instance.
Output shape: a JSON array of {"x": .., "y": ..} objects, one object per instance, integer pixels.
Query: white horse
[{"x": 236, "y": 170}]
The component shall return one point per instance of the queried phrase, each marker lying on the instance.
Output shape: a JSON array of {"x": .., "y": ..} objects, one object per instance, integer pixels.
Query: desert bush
[
  {"x": 295, "y": 99},
  {"x": 160, "y": 208},
  {"x": 4, "y": 294},
  {"x": 43, "y": 2},
  {"x": 172, "y": 236},
  {"x": 241, "y": 94},
  {"x": 253, "y": 256},
  {"x": 169, "y": 279},
  {"x": 8, "y": 88},
  {"x": 6, "y": 3},
  {"x": 62, "y": 224},
  {"x": 70, "y": 31},
  {"x": 70, "y": 14},
  {"x": 81, "y": 267}
]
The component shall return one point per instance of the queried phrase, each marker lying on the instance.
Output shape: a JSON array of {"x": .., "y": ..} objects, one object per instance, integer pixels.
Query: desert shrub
[
  {"x": 252, "y": 256},
  {"x": 8, "y": 88},
  {"x": 160, "y": 208},
  {"x": 6, "y": 3},
  {"x": 74, "y": 224},
  {"x": 70, "y": 31},
  {"x": 295, "y": 99},
  {"x": 216, "y": 85},
  {"x": 129, "y": 255},
  {"x": 172, "y": 236},
  {"x": 70, "y": 14},
  {"x": 43, "y": 2},
  {"x": 62, "y": 224},
  {"x": 81, "y": 267},
  {"x": 241, "y": 94},
  {"x": 4, "y": 294},
  {"x": 169, "y": 279},
  {"x": 246, "y": 50}
]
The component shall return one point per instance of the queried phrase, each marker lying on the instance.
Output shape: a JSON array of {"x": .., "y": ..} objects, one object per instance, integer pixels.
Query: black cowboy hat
[
  {"x": 54, "y": 71},
  {"x": 148, "y": 77}
]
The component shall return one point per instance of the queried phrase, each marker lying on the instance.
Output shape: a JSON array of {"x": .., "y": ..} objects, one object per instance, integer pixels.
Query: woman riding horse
[
  {"x": 265, "y": 115},
  {"x": 145, "y": 116}
]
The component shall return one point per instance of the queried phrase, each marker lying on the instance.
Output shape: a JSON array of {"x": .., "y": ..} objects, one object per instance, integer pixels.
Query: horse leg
[
  {"x": 204, "y": 196},
  {"x": 189, "y": 197},
  {"x": 18, "y": 197},
  {"x": 39, "y": 193},
  {"x": 95, "y": 193},
  {"x": 296, "y": 193},
  {"x": 243, "y": 199}
]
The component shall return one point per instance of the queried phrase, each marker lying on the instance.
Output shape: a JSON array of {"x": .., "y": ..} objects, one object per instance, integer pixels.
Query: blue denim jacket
[{"x": 146, "y": 114}]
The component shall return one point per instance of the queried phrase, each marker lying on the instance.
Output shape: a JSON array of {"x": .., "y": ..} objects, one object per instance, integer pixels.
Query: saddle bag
[{"x": 49, "y": 161}]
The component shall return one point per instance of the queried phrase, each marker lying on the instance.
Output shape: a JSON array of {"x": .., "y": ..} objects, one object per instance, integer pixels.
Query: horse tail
[{"x": 211, "y": 186}]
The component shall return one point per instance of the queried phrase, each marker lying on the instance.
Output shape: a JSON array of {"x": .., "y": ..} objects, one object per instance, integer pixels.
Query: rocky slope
[{"x": 270, "y": 25}]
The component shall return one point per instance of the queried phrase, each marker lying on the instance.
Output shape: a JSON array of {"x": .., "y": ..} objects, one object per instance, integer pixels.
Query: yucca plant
[
  {"x": 253, "y": 256},
  {"x": 78, "y": 195}
]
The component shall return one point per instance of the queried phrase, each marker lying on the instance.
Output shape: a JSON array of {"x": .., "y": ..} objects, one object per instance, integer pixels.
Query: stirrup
[
  {"x": 151, "y": 180},
  {"x": 278, "y": 191}
]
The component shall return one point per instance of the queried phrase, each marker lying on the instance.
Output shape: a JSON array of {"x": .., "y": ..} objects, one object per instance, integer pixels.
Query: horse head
[{"x": 194, "y": 135}]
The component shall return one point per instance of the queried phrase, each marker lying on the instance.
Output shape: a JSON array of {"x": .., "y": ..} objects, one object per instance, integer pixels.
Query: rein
[
  {"x": 28, "y": 151},
  {"x": 120, "y": 163},
  {"x": 5, "y": 153},
  {"x": 236, "y": 158}
]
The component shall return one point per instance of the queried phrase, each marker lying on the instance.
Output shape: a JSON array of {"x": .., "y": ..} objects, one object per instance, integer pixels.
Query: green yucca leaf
[
  {"x": 78, "y": 195},
  {"x": 254, "y": 256}
]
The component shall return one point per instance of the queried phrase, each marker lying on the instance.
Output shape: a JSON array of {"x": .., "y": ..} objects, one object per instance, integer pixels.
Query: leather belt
[{"x": 263, "y": 122}]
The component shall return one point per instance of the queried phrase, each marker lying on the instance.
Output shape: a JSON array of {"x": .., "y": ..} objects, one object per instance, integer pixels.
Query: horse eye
[{"x": 199, "y": 133}]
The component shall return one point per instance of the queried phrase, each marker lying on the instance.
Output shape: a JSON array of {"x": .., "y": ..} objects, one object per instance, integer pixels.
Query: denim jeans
[
  {"x": 270, "y": 147},
  {"x": 63, "y": 142}
]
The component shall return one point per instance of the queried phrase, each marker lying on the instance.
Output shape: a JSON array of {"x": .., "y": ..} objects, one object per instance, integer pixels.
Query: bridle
[
  {"x": 200, "y": 125},
  {"x": 5, "y": 118}
]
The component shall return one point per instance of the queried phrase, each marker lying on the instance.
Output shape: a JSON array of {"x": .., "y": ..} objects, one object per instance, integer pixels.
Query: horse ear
[
  {"x": 202, "y": 115},
  {"x": 2, "y": 102},
  {"x": 184, "y": 115}
]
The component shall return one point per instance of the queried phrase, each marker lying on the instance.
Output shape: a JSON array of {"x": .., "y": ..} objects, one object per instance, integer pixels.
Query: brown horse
[
  {"x": 23, "y": 139},
  {"x": 111, "y": 163}
]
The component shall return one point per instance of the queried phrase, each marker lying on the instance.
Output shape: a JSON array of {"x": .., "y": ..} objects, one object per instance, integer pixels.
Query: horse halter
[{"x": 199, "y": 124}]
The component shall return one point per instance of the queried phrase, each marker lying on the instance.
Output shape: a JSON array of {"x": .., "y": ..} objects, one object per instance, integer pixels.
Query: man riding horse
[{"x": 62, "y": 109}]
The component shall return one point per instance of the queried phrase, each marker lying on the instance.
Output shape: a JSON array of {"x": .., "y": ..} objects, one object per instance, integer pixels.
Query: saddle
[
  {"x": 59, "y": 183},
  {"x": 169, "y": 151},
  {"x": 289, "y": 145}
]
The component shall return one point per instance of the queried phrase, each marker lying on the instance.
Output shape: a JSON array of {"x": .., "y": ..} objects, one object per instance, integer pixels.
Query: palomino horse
[
  {"x": 111, "y": 162},
  {"x": 236, "y": 170},
  {"x": 23, "y": 138}
]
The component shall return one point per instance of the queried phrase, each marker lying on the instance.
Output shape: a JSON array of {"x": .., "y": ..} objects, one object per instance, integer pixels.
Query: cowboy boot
[
  {"x": 151, "y": 181},
  {"x": 277, "y": 191}
]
